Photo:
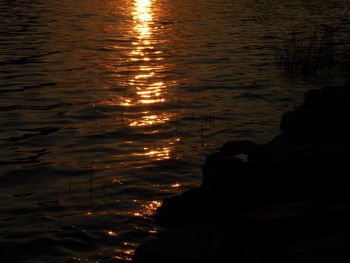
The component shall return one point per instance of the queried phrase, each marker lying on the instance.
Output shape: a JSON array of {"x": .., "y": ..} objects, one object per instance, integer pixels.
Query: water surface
[{"x": 107, "y": 107}]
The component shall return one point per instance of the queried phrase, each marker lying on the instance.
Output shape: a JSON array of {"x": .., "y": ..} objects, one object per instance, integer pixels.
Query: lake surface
[{"x": 107, "y": 107}]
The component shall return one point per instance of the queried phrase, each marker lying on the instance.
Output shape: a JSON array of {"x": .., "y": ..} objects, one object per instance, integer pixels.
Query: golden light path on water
[
  {"x": 146, "y": 90},
  {"x": 149, "y": 92},
  {"x": 144, "y": 95}
]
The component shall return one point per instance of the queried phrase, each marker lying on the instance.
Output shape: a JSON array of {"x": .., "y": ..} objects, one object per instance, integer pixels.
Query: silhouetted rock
[
  {"x": 288, "y": 201},
  {"x": 222, "y": 169},
  {"x": 239, "y": 147},
  {"x": 324, "y": 113}
]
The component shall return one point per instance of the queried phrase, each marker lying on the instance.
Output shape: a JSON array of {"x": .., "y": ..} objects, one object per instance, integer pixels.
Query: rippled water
[{"x": 107, "y": 107}]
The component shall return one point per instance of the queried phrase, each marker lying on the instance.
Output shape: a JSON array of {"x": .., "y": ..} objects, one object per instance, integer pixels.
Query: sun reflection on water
[
  {"x": 144, "y": 85},
  {"x": 143, "y": 104},
  {"x": 146, "y": 91},
  {"x": 157, "y": 154}
]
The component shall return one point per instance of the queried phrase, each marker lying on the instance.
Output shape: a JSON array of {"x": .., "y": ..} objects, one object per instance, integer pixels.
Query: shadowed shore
[{"x": 283, "y": 201}]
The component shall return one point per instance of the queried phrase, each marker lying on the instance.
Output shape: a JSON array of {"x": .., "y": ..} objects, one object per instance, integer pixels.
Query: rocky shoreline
[{"x": 283, "y": 201}]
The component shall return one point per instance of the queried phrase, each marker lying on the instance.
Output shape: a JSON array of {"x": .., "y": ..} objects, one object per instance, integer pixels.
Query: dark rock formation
[{"x": 287, "y": 202}]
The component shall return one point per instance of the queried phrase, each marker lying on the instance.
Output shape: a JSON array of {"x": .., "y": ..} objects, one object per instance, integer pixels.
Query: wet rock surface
[{"x": 288, "y": 201}]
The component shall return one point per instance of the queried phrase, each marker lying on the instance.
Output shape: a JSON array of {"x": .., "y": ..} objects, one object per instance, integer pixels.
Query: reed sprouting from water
[
  {"x": 91, "y": 178},
  {"x": 316, "y": 54}
]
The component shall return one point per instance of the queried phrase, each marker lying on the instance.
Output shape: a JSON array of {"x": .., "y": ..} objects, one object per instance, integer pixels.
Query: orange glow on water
[
  {"x": 160, "y": 154},
  {"x": 112, "y": 233},
  {"x": 146, "y": 90},
  {"x": 144, "y": 75},
  {"x": 143, "y": 11},
  {"x": 151, "y": 207},
  {"x": 146, "y": 86},
  {"x": 149, "y": 120},
  {"x": 157, "y": 154},
  {"x": 124, "y": 254},
  {"x": 143, "y": 16}
]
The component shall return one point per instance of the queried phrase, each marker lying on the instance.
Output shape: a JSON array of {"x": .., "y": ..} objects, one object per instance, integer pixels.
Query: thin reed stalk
[{"x": 315, "y": 55}]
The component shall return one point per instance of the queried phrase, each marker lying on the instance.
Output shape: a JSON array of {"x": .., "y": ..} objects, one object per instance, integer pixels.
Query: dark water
[{"x": 107, "y": 107}]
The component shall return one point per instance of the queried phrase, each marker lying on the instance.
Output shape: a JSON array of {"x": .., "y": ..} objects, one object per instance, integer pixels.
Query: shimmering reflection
[
  {"x": 148, "y": 91},
  {"x": 112, "y": 233},
  {"x": 143, "y": 16},
  {"x": 145, "y": 90},
  {"x": 126, "y": 254},
  {"x": 148, "y": 120},
  {"x": 151, "y": 153},
  {"x": 157, "y": 154}
]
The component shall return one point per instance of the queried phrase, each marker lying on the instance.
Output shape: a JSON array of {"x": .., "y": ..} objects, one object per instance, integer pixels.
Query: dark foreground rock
[{"x": 287, "y": 202}]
